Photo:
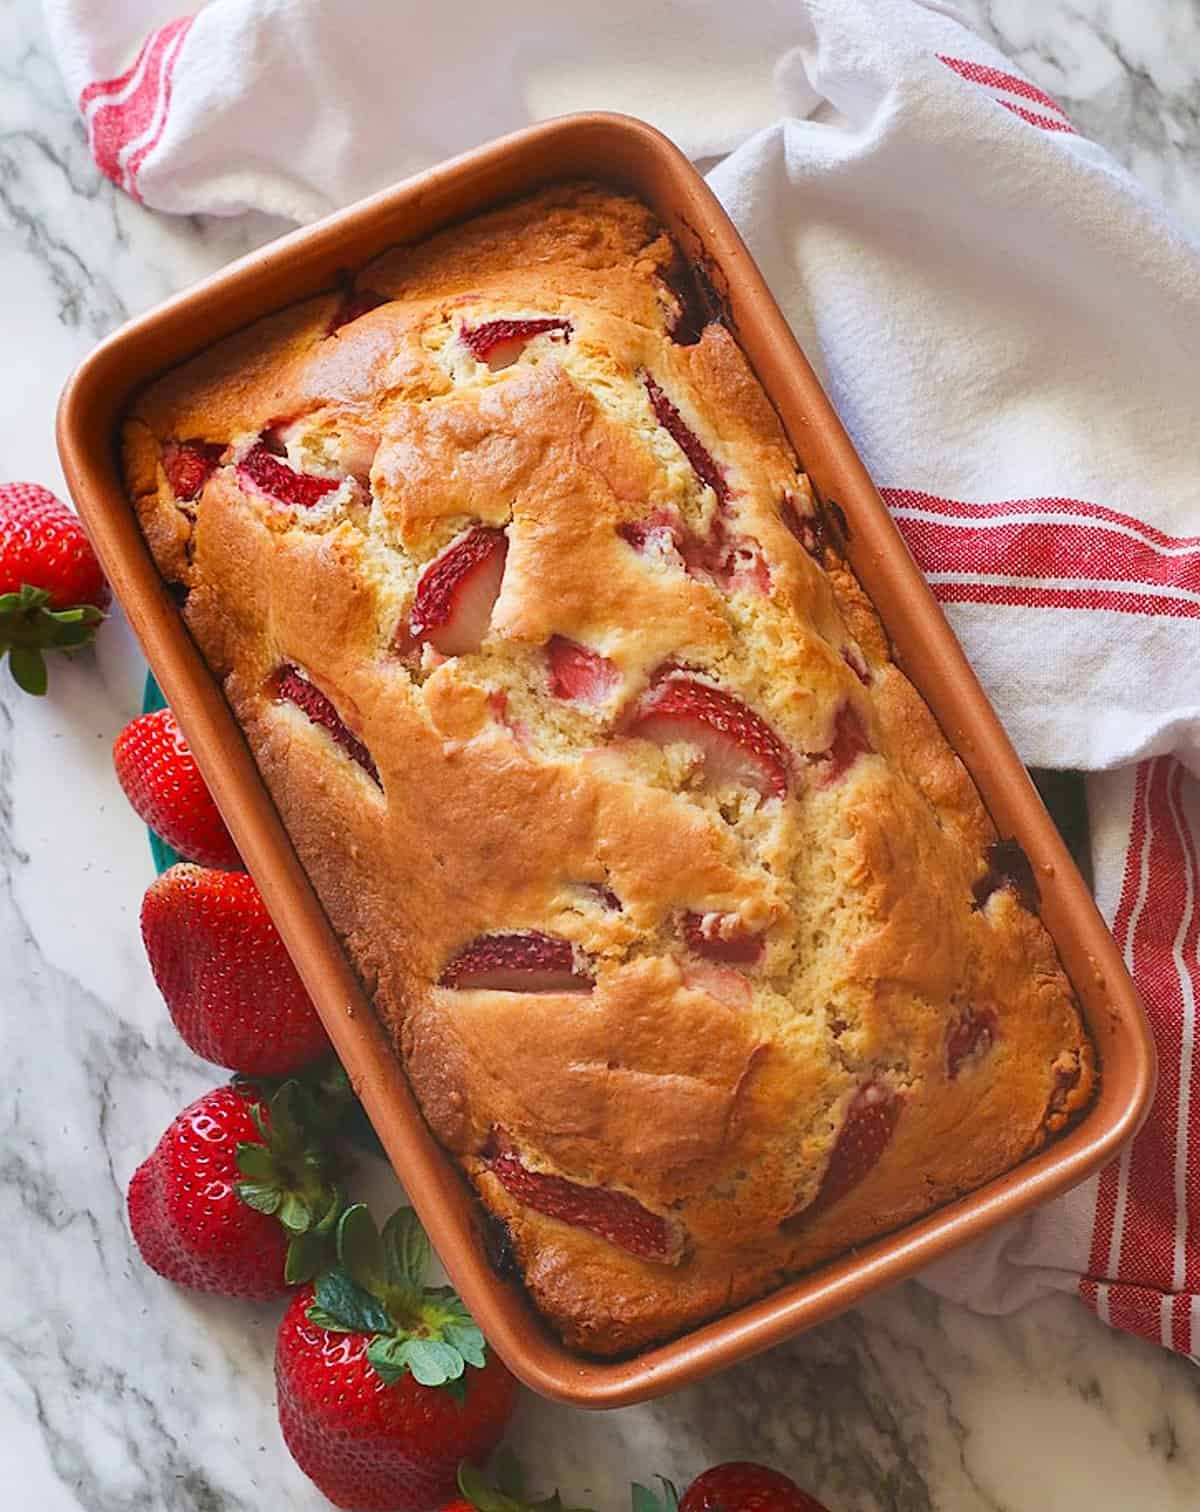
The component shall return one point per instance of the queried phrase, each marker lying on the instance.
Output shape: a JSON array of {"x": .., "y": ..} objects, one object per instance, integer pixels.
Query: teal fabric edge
[{"x": 163, "y": 855}]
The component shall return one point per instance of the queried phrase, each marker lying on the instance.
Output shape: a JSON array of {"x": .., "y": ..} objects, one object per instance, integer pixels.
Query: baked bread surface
[{"x": 690, "y": 928}]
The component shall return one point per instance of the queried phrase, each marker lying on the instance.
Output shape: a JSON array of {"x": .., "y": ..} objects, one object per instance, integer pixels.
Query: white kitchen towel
[{"x": 1008, "y": 322}]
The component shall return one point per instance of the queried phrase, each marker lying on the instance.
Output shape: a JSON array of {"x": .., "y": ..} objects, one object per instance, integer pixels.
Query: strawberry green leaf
[
  {"x": 306, "y": 1256},
  {"x": 360, "y": 1249},
  {"x": 406, "y": 1249},
  {"x": 28, "y": 627},
  {"x": 327, "y": 1223},
  {"x": 289, "y": 1168},
  {"x": 645, "y": 1500},
  {"x": 508, "y": 1495},
  {"x": 294, "y": 1213},
  {"x": 262, "y": 1196},
  {"x": 260, "y": 1122},
  {"x": 344, "y": 1307},
  {"x": 468, "y": 1340},
  {"x": 509, "y": 1473},
  {"x": 387, "y": 1357},
  {"x": 255, "y": 1161},
  {"x": 28, "y": 668},
  {"x": 23, "y": 601},
  {"x": 474, "y": 1487},
  {"x": 433, "y": 1362}
]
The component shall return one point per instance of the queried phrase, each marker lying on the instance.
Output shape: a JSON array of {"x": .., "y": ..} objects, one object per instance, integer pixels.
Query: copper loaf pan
[{"x": 634, "y": 157}]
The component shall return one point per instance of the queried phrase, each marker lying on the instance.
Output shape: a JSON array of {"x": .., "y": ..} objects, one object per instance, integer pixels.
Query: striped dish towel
[{"x": 1008, "y": 323}]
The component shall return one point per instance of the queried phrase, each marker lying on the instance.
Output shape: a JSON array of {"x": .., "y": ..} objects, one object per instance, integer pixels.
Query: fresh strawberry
[
  {"x": 615, "y": 1216},
  {"x": 722, "y": 937},
  {"x": 237, "y": 1196},
  {"x": 690, "y": 444},
  {"x": 518, "y": 961},
  {"x": 577, "y": 674},
  {"x": 457, "y": 591},
  {"x": 737, "y": 745},
  {"x": 741, "y": 1486},
  {"x": 971, "y": 1037},
  {"x": 291, "y": 686},
  {"x": 507, "y": 1495},
  {"x": 189, "y": 465},
  {"x": 384, "y": 1386},
  {"x": 850, "y": 741},
  {"x": 52, "y": 592},
  {"x": 500, "y": 342},
  {"x": 866, "y": 1132},
  {"x": 229, "y": 983},
  {"x": 159, "y": 776},
  {"x": 273, "y": 476}
]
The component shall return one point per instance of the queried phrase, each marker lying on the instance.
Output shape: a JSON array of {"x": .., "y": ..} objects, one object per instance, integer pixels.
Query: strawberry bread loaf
[{"x": 699, "y": 948}]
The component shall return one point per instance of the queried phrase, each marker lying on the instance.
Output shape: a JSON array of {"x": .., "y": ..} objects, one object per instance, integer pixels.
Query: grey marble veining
[{"x": 119, "y": 1392}]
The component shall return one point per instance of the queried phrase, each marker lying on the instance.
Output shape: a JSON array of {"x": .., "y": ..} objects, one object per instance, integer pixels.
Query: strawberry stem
[
  {"x": 378, "y": 1288},
  {"x": 508, "y": 1494},
  {"x": 28, "y": 627},
  {"x": 289, "y": 1174}
]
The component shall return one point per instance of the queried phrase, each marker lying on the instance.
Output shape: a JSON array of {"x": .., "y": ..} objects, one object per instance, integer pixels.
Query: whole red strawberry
[
  {"x": 159, "y": 776},
  {"x": 236, "y": 1197},
  {"x": 229, "y": 983},
  {"x": 384, "y": 1386},
  {"x": 52, "y": 592},
  {"x": 741, "y": 1486}
]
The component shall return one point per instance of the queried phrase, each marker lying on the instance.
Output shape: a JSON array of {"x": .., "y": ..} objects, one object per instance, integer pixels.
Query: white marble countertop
[{"x": 117, "y": 1391}]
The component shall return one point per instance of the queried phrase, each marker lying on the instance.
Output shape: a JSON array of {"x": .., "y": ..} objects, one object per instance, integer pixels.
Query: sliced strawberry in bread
[
  {"x": 728, "y": 561},
  {"x": 689, "y": 443},
  {"x": 458, "y": 590},
  {"x": 857, "y": 663},
  {"x": 615, "y": 1216},
  {"x": 722, "y": 937},
  {"x": 658, "y": 534},
  {"x": 737, "y": 745},
  {"x": 970, "y": 1038},
  {"x": 866, "y": 1132},
  {"x": 500, "y": 342},
  {"x": 189, "y": 465},
  {"x": 725, "y": 983},
  {"x": 850, "y": 741},
  {"x": 725, "y": 560},
  {"x": 271, "y": 475},
  {"x": 806, "y": 528},
  {"x": 518, "y": 961},
  {"x": 290, "y": 686},
  {"x": 577, "y": 674}
]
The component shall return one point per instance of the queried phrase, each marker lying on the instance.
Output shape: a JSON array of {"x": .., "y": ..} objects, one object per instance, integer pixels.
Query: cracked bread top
[{"x": 692, "y": 932}]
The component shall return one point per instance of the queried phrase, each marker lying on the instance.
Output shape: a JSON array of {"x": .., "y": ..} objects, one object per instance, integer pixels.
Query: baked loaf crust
[{"x": 692, "y": 931}]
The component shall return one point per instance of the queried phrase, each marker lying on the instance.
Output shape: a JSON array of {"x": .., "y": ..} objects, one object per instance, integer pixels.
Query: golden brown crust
[{"x": 714, "y": 1094}]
